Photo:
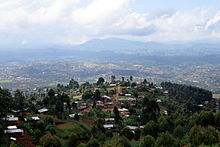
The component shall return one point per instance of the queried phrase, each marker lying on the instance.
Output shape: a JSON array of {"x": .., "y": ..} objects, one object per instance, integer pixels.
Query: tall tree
[
  {"x": 122, "y": 79},
  {"x": 117, "y": 116},
  {"x": 73, "y": 84},
  {"x": 5, "y": 102},
  {"x": 131, "y": 78},
  {"x": 113, "y": 78},
  {"x": 19, "y": 98},
  {"x": 100, "y": 81}
]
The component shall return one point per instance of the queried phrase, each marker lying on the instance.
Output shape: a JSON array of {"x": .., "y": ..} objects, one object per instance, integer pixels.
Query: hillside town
[{"x": 105, "y": 106}]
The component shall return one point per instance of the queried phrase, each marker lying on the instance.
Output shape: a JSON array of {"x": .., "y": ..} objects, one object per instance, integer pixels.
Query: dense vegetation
[
  {"x": 187, "y": 93},
  {"x": 151, "y": 126}
]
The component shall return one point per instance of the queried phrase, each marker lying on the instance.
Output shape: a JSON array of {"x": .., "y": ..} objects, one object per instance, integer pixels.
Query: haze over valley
[{"x": 192, "y": 63}]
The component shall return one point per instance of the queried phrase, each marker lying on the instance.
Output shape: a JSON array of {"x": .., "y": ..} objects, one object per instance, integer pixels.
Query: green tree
[
  {"x": 150, "y": 110},
  {"x": 49, "y": 140},
  {"x": 137, "y": 133},
  {"x": 93, "y": 143},
  {"x": 1, "y": 128},
  {"x": 151, "y": 128},
  {"x": 113, "y": 78},
  {"x": 37, "y": 134},
  {"x": 73, "y": 140},
  {"x": 166, "y": 140},
  {"x": 122, "y": 79},
  {"x": 109, "y": 134},
  {"x": 51, "y": 129},
  {"x": 117, "y": 116},
  {"x": 100, "y": 81},
  {"x": 206, "y": 118},
  {"x": 59, "y": 108},
  {"x": 5, "y": 102},
  {"x": 19, "y": 98},
  {"x": 73, "y": 84},
  {"x": 97, "y": 131},
  {"x": 97, "y": 95},
  {"x": 99, "y": 125},
  {"x": 131, "y": 78},
  {"x": 51, "y": 93},
  {"x": 74, "y": 105},
  {"x": 81, "y": 145},
  {"x": 122, "y": 142},
  {"x": 127, "y": 133},
  {"x": 164, "y": 124},
  {"x": 217, "y": 119},
  {"x": 87, "y": 95},
  {"x": 179, "y": 132},
  {"x": 148, "y": 141},
  {"x": 48, "y": 121},
  {"x": 199, "y": 135},
  {"x": 13, "y": 144}
]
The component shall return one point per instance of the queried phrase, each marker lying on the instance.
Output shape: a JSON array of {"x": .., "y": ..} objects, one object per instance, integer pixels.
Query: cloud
[
  {"x": 99, "y": 12},
  {"x": 74, "y": 21},
  {"x": 213, "y": 22}
]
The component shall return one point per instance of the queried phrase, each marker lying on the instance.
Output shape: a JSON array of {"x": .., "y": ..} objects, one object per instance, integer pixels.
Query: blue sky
[
  {"x": 146, "y": 5},
  {"x": 25, "y": 22}
]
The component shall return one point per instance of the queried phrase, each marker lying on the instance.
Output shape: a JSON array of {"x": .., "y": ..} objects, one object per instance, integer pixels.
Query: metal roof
[{"x": 14, "y": 131}]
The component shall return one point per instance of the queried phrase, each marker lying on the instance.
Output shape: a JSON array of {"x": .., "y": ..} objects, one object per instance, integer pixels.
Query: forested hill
[{"x": 187, "y": 93}]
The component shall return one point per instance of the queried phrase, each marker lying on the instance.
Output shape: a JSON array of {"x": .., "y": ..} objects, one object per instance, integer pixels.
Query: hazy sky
[{"x": 76, "y": 21}]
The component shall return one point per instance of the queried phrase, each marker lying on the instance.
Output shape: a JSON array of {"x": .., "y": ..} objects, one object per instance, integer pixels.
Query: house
[
  {"x": 13, "y": 138},
  {"x": 159, "y": 87},
  {"x": 44, "y": 110},
  {"x": 121, "y": 94},
  {"x": 72, "y": 115},
  {"x": 106, "y": 98},
  {"x": 200, "y": 105},
  {"x": 35, "y": 118},
  {"x": 100, "y": 104},
  {"x": 19, "y": 136},
  {"x": 109, "y": 120},
  {"x": 127, "y": 94},
  {"x": 124, "y": 112},
  {"x": 108, "y": 105},
  {"x": 11, "y": 127},
  {"x": 112, "y": 85},
  {"x": 130, "y": 100},
  {"x": 108, "y": 126},
  {"x": 159, "y": 101},
  {"x": 166, "y": 92},
  {"x": 11, "y": 120},
  {"x": 165, "y": 112},
  {"x": 14, "y": 130},
  {"x": 107, "y": 110},
  {"x": 132, "y": 127}
]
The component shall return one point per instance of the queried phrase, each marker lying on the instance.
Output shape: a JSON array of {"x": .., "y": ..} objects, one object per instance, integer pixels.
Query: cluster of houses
[
  {"x": 120, "y": 97},
  {"x": 114, "y": 98},
  {"x": 18, "y": 134}
]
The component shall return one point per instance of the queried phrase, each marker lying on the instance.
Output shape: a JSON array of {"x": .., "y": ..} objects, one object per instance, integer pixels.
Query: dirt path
[
  {"x": 88, "y": 122},
  {"x": 118, "y": 90},
  {"x": 63, "y": 125}
]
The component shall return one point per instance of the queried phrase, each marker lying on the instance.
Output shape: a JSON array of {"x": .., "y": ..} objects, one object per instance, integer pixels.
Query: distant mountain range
[{"x": 111, "y": 46}]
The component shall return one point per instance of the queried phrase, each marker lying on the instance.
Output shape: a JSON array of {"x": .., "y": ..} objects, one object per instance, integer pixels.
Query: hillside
[{"x": 117, "y": 113}]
